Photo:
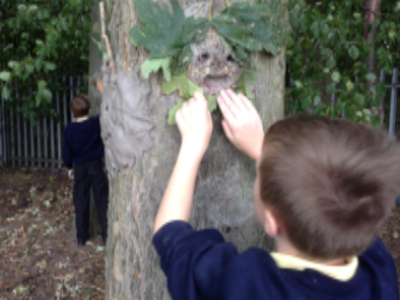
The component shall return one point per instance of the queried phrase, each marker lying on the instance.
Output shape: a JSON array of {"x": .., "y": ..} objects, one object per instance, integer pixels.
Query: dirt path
[{"x": 39, "y": 258}]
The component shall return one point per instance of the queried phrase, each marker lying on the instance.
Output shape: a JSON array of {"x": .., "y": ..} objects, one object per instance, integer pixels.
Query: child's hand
[
  {"x": 195, "y": 124},
  {"x": 71, "y": 174},
  {"x": 242, "y": 124}
]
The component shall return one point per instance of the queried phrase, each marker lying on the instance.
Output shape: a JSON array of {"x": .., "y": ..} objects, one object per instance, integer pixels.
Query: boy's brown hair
[
  {"x": 80, "y": 106},
  {"x": 331, "y": 183}
]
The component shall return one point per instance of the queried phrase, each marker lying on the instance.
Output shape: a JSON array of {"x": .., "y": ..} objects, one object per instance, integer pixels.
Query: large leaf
[
  {"x": 182, "y": 84},
  {"x": 252, "y": 27},
  {"x": 172, "y": 112},
  {"x": 5, "y": 76},
  {"x": 155, "y": 64},
  {"x": 193, "y": 32},
  {"x": 157, "y": 29},
  {"x": 5, "y": 93},
  {"x": 235, "y": 31}
]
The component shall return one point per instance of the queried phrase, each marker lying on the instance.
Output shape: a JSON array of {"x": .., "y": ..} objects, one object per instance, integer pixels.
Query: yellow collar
[
  {"x": 342, "y": 273},
  {"x": 78, "y": 120}
]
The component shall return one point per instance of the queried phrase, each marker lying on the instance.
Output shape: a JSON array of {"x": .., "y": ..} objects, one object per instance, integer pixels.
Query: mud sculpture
[
  {"x": 206, "y": 54},
  {"x": 125, "y": 119},
  {"x": 213, "y": 67}
]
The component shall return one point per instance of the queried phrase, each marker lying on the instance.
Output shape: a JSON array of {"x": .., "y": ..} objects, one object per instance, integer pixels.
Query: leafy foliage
[
  {"x": 157, "y": 29},
  {"x": 182, "y": 84},
  {"x": 172, "y": 112},
  {"x": 243, "y": 27},
  {"x": 327, "y": 53},
  {"x": 153, "y": 65},
  {"x": 40, "y": 40},
  {"x": 246, "y": 27},
  {"x": 252, "y": 27}
]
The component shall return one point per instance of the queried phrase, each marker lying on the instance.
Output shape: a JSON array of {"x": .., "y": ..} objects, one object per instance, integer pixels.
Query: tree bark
[{"x": 224, "y": 189}]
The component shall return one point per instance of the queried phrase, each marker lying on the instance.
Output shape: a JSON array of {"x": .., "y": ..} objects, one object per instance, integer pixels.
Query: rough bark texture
[{"x": 223, "y": 196}]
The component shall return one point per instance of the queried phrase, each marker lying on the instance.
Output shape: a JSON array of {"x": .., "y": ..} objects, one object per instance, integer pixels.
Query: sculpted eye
[
  {"x": 230, "y": 58},
  {"x": 204, "y": 56}
]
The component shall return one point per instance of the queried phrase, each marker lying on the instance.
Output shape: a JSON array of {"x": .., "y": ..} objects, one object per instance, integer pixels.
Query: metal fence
[{"x": 38, "y": 143}]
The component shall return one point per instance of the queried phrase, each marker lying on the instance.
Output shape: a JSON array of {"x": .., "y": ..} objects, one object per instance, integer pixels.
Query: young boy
[
  {"x": 323, "y": 189},
  {"x": 84, "y": 149}
]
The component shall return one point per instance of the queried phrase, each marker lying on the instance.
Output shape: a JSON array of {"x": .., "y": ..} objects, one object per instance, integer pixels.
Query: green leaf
[
  {"x": 248, "y": 76},
  {"x": 42, "y": 85},
  {"x": 38, "y": 65},
  {"x": 47, "y": 95},
  {"x": 354, "y": 52},
  {"x": 335, "y": 76},
  {"x": 305, "y": 102},
  {"x": 181, "y": 83},
  {"x": 157, "y": 29},
  {"x": 155, "y": 64},
  {"x": 359, "y": 98},
  {"x": 13, "y": 64},
  {"x": 298, "y": 84},
  {"x": 50, "y": 66},
  {"x": 371, "y": 77},
  {"x": 5, "y": 76},
  {"x": 43, "y": 95},
  {"x": 331, "y": 63},
  {"x": 235, "y": 33},
  {"x": 193, "y": 33},
  {"x": 75, "y": 2},
  {"x": 317, "y": 100},
  {"x": 252, "y": 26},
  {"x": 392, "y": 34},
  {"x": 349, "y": 86},
  {"x": 315, "y": 29},
  {"x": 21, "y": 7},
  {"x": 172, "y": 112},
  {"x": 29, "y": 68},
  {"x": 5, "y": 93},
  {"x": 212, "y": 103}
]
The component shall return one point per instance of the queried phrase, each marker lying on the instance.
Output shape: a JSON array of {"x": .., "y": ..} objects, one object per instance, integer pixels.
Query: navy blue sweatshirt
[
  {"x": 201, "y": 265},
  {"x": 82, "y": 142}
]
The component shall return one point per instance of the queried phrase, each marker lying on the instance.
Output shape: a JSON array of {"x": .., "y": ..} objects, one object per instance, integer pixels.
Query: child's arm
[
  {"x": 195, "y": 125},
  {"x": 242, "y": 124}
]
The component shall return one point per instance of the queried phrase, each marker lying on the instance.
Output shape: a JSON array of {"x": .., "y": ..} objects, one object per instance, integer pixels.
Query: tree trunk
[{"x": 224, "y": 189}]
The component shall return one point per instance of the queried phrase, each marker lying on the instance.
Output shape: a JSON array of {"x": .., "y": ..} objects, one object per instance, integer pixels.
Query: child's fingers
[
  {"x": 226, "y": 112},
  {"x": 237, "y": 101},
  {"x": 229, "y": 104},
  {"x": 250, "y": 107},
  {"x": 227, "y": 129},
  {"x": 178, "y": 117},
  {"x": 198, "y": 96}
]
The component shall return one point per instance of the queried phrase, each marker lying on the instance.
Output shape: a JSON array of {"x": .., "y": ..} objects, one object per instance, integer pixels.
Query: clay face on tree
[
  {"x": 213, "y": 67},
  {"x": 198, "y": 52}
]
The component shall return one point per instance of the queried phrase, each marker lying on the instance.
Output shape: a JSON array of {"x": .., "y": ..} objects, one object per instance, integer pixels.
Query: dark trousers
[{"x": 88, "y": 175}]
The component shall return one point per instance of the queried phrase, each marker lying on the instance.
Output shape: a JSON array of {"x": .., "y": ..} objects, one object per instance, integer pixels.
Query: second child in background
[{"x": 83, "y": 153}]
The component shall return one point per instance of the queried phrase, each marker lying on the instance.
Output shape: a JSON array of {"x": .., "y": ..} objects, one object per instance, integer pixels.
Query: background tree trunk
[{"x": 224, "y": 189}]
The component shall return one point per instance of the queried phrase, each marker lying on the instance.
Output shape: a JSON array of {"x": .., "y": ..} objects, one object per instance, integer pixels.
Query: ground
[{"x": 39, "y": 258}]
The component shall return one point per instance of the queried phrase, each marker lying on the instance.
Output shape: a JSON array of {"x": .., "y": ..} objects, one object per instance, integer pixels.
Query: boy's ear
[{"x": 271, "y": 225}]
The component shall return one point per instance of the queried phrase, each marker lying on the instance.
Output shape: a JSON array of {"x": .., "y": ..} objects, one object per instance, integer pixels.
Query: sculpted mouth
[{"x": 215, "y": 83}]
